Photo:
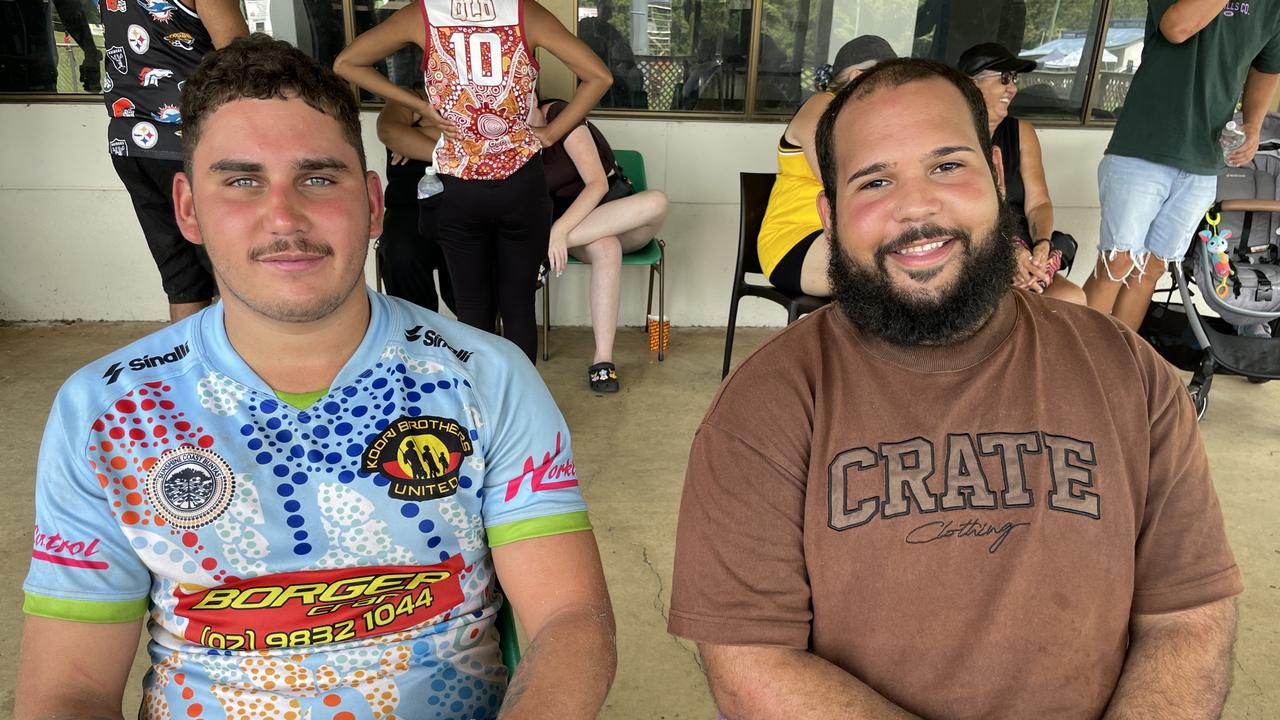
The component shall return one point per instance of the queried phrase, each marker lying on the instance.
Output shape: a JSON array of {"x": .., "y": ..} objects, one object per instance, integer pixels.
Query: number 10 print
[{"x": 473, "y": 55}]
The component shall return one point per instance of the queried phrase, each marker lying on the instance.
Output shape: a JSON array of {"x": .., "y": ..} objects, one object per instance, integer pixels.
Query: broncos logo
[
  {"x": 160, "y": 10},
  {"x": 180, "y": 40},
  {"x": 152, "y": 76}
]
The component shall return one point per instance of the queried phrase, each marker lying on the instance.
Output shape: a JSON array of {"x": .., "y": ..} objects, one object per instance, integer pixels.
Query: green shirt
[{"x": 1183, "y": 95}]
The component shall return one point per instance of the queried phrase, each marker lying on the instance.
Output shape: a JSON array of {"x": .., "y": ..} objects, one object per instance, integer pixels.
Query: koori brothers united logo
[
  {"x": 190, "y": 487},
  {"x": 421, "y": 457}
]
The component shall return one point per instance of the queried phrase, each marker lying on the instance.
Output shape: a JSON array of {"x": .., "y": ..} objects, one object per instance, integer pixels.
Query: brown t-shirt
[{"x": 966, "y": 529}]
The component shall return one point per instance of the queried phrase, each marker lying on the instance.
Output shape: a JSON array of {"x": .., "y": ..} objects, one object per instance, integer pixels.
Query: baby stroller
[{"x": 1234, "y": 262}]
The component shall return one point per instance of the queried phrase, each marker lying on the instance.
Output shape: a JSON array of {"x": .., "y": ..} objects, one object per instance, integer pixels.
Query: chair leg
[
  {"x": 648, "y": 308},
  {"x": 728, "y": 334},
  {"x": 793, "y": 312},
  {"x": 662, "y": 312},
  {"x": 546, "y": 318}
]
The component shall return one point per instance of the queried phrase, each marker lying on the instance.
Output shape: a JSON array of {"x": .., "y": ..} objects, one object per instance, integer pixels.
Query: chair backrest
[
  {"x": 632, "y": 164},
  {"x": 754, "y": 190}
]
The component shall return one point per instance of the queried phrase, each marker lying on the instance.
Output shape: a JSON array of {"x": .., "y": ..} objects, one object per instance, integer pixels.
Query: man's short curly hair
[{"x": 260, "y": 67}]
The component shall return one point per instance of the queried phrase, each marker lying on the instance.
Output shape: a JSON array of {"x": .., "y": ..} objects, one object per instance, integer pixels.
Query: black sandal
[{"x": 603, "y": 377}]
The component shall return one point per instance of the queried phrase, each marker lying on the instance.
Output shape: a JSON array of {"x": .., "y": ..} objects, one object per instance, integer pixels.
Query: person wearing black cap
[
  {"x": 995, "y": 71},
  {"x": 792, "y": 249}
]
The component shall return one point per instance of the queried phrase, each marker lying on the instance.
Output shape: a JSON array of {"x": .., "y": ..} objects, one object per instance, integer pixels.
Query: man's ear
[
  {"x": 997, "y": 160},
  {"x": 184, "y": 208},
  {"x": 824, "y": 213},
  {"x": 376, "y": 207}
]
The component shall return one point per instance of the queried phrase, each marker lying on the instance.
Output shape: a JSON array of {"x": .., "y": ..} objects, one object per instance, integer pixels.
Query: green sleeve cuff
[
  {"x": 87, "y": 611},
  {"x": 537, "y": 527}
]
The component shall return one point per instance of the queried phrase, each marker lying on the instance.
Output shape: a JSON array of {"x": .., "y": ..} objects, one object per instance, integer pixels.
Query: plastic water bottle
[
  {"x": 1232, "y": 137},
  {"x": 429, "y": 184}
]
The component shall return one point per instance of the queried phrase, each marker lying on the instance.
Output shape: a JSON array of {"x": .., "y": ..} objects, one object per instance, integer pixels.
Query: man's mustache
[{"x": 299, "y": 244}]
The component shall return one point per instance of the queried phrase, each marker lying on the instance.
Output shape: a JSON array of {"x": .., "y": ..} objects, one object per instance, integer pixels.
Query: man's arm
[
  {"x": 1188, "y": 17},
  {"x": 768, "y": 683},
  {"x": 73, "y": 670},
  {"x": 1179, "y": 664},
  {"x": 222, "y": 19},
  {"x": 556, "y": 586},
  {"x": 1259, "y": 87}
]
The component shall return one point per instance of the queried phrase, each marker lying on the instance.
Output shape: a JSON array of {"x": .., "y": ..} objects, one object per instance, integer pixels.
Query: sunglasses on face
[{"x": 1006, "y": 76}]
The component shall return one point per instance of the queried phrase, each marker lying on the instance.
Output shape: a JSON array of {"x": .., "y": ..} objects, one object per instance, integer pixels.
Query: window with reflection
[
  {"x": 405, "y": 67},
  {"x": 50, "y": 47},
  {"x": 313, "y": 26},
  {"x": 1060, "y": 35},
  {"x": 671, "y": 55},
  {"x": 1121, "y": 56}
]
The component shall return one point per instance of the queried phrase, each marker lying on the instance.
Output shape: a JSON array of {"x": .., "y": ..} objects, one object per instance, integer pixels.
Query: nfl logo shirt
[
  {"x": 152, "y": 47},
  {"x": 318, "y": 562}
]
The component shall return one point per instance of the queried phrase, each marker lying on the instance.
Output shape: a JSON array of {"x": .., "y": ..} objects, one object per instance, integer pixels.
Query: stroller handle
[{"x": 1249, "y": 205}]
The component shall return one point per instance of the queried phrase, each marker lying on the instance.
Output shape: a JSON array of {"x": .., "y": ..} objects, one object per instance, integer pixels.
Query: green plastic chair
[
  {"x": 654, "y": 255},
  {"x": 508, "y": 638}
]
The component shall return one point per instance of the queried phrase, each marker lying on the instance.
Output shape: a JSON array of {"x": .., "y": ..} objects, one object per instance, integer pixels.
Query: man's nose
[
  {"x": 285, "y": 211},
  {"x": 916, "y": 201}
]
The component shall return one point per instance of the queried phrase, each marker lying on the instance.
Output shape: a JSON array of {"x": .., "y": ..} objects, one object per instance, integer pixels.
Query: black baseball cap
[
  {"x": 991, "y": 56},
  {"x": 859, "y": 50}
]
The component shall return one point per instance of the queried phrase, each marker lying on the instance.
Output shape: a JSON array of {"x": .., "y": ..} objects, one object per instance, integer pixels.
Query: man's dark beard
[{"x": 870, "y": 300}]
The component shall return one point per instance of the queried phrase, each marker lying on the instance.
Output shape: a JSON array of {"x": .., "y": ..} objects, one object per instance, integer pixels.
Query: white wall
[{"x": 70, "y": 246}]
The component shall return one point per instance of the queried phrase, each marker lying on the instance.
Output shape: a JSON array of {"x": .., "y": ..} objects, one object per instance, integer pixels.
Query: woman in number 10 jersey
[{"x": 480, "y": 74}]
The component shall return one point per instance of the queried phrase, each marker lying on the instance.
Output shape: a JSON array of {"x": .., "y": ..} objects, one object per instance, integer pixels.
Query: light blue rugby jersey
[{"x": 327, "y": 562}]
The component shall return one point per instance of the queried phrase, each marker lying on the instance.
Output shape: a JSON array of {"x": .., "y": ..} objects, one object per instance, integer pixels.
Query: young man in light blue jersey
[{"x": 309, "y": 491}]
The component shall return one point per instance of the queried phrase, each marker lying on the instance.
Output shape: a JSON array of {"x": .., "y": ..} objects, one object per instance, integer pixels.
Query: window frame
[{"x": 749, "y": 113}]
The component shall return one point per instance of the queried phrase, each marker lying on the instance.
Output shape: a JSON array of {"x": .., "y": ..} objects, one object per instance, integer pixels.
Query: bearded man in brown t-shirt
[{"x": 942, "y": 497}]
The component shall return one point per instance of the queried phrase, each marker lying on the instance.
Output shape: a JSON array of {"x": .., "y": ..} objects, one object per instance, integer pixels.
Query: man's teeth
[{"x": 921, "y": 249}]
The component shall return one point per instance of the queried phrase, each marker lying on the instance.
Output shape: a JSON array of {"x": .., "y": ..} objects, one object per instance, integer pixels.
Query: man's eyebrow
[
  {"x": 320, "y": 163},
  {"x": 933, "y": 155},
  {"x": 235, "y": 166},
  {"x": 305, "y": 165}
]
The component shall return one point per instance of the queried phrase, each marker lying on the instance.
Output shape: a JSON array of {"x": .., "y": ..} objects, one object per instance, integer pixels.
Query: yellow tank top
[{"x": 792, "y": 214}]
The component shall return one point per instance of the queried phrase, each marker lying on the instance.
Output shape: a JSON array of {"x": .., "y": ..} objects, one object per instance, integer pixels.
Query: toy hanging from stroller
[{"x": 1235, "y": 260}]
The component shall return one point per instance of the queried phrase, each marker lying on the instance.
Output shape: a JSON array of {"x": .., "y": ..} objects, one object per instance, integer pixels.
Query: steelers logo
[
  {"x": 145, "y": 135},
  {"x": 190, "y": 487},
  {"x": 139, "y": 40},
  {"x": 491, "y": 126},
  {"x": 419, "y": 456}
]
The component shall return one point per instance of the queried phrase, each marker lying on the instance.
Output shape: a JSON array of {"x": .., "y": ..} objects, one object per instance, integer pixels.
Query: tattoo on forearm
[{"x": 521, "y": 679}]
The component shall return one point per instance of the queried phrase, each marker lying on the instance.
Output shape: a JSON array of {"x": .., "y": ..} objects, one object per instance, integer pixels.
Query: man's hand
[
  {"x": 1243, "y": 155},
  {"x": 556, "y": 586},
  {"x": 74, "y": 669}
]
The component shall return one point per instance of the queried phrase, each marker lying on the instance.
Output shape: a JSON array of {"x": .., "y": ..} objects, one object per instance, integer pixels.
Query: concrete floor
[{"x": 631, "y": 451}]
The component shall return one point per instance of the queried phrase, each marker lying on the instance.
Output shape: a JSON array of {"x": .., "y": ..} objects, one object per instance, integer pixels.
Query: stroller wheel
[
  {"x": 1258, "y": 380},
  {"x": 1199, "y": 398}
]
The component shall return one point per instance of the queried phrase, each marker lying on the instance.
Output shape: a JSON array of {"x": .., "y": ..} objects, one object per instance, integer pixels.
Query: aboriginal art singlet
[
  {"x": 151, "y": 47},
  {"x": 327, "y": 562},
  {"x": 480, "y": 75}
]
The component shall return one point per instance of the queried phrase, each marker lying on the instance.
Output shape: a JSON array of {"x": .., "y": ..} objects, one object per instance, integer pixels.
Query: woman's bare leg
[
  {"x": 813, "y": 273},
  {"x": 605, "y": 258}
]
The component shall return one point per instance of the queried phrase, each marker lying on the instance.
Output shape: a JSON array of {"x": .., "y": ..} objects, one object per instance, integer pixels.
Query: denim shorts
[{"x": 1148, "y": 208}]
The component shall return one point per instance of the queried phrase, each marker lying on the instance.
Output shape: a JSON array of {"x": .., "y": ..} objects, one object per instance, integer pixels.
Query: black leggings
[
  {"x": 494, "y": 236},
  {"x": 410, "y": 255}
]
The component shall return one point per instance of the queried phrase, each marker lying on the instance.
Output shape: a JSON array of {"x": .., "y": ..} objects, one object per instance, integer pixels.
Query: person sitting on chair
[
  {"x": 995, "y": 71},
  {"x": 597, "y": 217},
  {"x": 792, "y": 248}
]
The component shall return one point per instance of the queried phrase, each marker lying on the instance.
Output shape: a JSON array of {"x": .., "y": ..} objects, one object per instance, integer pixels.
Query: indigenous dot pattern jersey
[
  {"x": 151, "y": 47},
  {"x": 326, "y": 562},
  {"x": 480, "y": 75}
]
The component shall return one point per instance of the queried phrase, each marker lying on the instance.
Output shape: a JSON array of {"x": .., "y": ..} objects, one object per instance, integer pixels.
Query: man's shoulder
[
  {"x": 786, "y": 364},
  {"x": 1078, "y": 333},
  {"x": 424, "y": 333},
  {"x": 156, "y": 358}
]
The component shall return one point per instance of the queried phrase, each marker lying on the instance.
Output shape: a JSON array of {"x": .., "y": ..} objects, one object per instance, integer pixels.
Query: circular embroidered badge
[{"x": 190, "y": 487}]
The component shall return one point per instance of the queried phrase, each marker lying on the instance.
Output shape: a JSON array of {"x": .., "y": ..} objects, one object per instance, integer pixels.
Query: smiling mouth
[{"x": 923, "y": 248}]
